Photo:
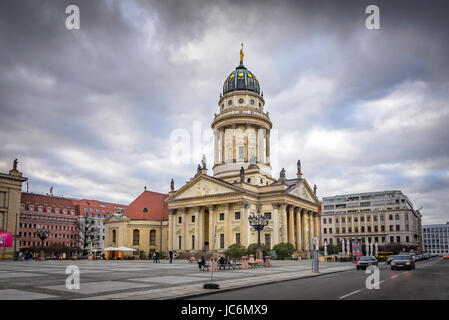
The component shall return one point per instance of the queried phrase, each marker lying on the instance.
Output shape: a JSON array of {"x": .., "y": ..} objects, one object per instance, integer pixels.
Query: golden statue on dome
[{"x": 241, "y": 55}]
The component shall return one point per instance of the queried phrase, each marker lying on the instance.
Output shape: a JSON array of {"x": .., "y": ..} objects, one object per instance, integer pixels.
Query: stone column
[
  {"x": 260, "y": 134},
  {"x": 267, "y": 147},
  {"x": 211, "y": 227},
  {"x": 244, "y": 223},
  {"x": 291, "y": 225},
  {"x": 275, "y": 223},
  {"x": 298, "y": 230},
  {"x": 223, "y": 145},
  {"x": 312, "y": 230},
  {"x": 216, "y": 154},
  {"x": 284, "y": 234},
  {"x": 317, "y": 227},
  {"x": 183, "y": 229},
  {"x": 198, "y": 239},
  {"x": 306, "y": 233},
  {"x": 227, "y": 225},
  {"x": 170, "y": 229}
]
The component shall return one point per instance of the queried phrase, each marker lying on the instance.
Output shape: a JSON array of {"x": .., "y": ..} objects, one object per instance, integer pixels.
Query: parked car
[
  {"x": 446, "y": 256},
  {"x": 366, "y": 261},
  {"x": 418, "y": 257},
  {"x": 403, "y": 262}
]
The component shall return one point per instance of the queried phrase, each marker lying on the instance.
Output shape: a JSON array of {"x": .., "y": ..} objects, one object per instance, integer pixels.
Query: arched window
[
  {"x": 136, "y": 237},
  {"x": 152, "y": 237},
  {"x": 114, "y": 236}
]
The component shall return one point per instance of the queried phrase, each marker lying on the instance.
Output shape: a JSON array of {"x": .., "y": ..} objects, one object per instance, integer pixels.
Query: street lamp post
[
  {"x": 258, "y": 222},
  {"x": 42, "y": 235}
]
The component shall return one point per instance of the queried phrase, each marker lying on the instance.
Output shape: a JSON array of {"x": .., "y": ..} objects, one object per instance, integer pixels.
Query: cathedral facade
[{"x": 212, "y": 209}]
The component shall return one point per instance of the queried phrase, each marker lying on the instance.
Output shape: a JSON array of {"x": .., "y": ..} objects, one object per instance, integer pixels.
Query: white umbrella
[
  {"x": 325, "y": 248},
  {"x": 119, "y": 249},
  {"x": 367, "y": 248},
  {"x": 343, "y": 245}
]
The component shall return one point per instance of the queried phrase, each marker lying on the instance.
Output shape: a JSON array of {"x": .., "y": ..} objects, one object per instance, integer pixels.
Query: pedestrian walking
[
  {"x": 171, "y": 256},
  {"x": 157, "y": 257},
  {"x": 154, "y": 257}
]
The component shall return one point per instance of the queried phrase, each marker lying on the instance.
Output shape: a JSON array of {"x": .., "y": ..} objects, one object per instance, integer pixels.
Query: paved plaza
[{"x": 135, "y": 280}]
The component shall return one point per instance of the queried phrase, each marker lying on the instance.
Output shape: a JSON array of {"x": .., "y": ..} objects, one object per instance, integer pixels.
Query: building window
[
  {"x": 237, "y": 238},
  {"x": 221, "y": 240},
  {"x": 136, "y": 237},
  {"x": 179, "y": 242},
  {"x": 193, "y": 219},
  {"x": 397, "y": 217},
  {"x": 179, "y": 219},
  {"x": 407, "y": 239},
  {"x": 193, "y": 241},
  {"x": 221, "y": 216},
  {"x": 398, "y": 238},
  {"x": 324, "y": 221},
  {"x": 268, "y": 215},
  {"x": 114, "y": 236},
  {"x": 237, "y": 216},
  {"x": 268, "y": 240},
  {"x": 325, "y": 230},
  {"x": 397, "y": 227},
  {"x": 152, "y": 237}
]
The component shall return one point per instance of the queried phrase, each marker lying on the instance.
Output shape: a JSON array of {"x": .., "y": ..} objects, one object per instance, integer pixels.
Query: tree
[
  {"x": 252, "y": 249},
  {"x": 235, "y": 251},
  {"x": 284, "y": 250},
  {"x": 89, "y": 233}
]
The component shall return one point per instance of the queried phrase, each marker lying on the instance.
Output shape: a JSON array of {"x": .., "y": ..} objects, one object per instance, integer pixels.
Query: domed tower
[{"x": 242, "y": 130}]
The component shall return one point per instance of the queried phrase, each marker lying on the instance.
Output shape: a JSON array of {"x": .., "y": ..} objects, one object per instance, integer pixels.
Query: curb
[{"x": 250, "y": 285}]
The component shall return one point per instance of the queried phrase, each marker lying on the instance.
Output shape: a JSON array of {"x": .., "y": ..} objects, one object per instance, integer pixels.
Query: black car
[
  {"x": 366, "y": 261},
  {"x": 390, "y": 258},
  {"x": 403, "y": 262}
]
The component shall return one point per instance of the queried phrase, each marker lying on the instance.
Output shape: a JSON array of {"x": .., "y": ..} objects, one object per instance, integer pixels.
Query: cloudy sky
[{"x": 92, "y": 111}]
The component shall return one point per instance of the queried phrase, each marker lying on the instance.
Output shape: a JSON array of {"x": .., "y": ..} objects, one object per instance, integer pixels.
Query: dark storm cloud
[{"x": 91, "y": 111}]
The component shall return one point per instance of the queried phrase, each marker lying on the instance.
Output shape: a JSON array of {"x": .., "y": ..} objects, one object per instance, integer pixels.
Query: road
[{"x": 429, "y": 281}]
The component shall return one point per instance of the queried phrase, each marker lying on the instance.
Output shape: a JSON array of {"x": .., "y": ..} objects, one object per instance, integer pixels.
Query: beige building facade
[
  {"x": 211, "y": 210},
  {"x": 382, "y": 217},
  {"x": 10, "y": 193}
]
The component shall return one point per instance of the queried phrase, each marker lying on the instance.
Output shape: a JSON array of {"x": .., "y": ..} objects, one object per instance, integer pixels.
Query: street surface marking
[
  {"x": 347, "y": 295},
  {"x": 394, "y": 276}
]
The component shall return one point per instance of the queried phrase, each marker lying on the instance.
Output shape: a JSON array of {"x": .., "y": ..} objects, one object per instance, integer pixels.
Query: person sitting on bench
[{"x": 201, "y": 262}]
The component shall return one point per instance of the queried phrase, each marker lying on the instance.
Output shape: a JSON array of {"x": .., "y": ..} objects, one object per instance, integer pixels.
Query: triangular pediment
[
  {"x": 303, "y": 191},
  {"x": 116, "y": 218},
  {"x": 203, "y": 186}
]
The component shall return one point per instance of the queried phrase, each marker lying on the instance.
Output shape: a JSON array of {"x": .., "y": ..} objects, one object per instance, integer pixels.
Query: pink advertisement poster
[{"x": 5, "y": 239}]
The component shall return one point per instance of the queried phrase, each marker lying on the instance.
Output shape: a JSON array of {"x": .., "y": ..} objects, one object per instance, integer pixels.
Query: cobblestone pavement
[{"x": 136, "y": 280}]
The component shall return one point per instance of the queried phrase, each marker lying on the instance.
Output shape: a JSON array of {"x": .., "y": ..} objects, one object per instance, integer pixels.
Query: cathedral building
[{"x": 216, "y": 205}]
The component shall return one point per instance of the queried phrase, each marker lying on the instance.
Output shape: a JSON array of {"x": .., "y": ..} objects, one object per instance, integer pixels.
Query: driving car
[
  {"x": 446, "y": 256},
  {"x": 366, "y": 261},
  {"x": 390, "y": 258},
  {"x": 403, "y": 262}
]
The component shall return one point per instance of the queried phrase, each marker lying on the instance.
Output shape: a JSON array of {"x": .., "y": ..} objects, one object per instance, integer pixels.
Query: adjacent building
[
  {"x": 382, "y": 217},
  {"x": 10, "y": 189},
  {"x": 64, "y": 219},
  {"x": 142, "y": 226},
  {"x": 436, "y": 238},
  {"x": 217, "y": 205}
]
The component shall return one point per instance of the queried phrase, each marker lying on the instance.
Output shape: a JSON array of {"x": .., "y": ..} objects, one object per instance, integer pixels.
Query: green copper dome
[{"x": 241, "y": 79}]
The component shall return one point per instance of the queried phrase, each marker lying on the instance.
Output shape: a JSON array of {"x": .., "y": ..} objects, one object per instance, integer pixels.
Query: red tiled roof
[
  {"x": 157, "y": 208},
  {"x": 46, "y": 201}
]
